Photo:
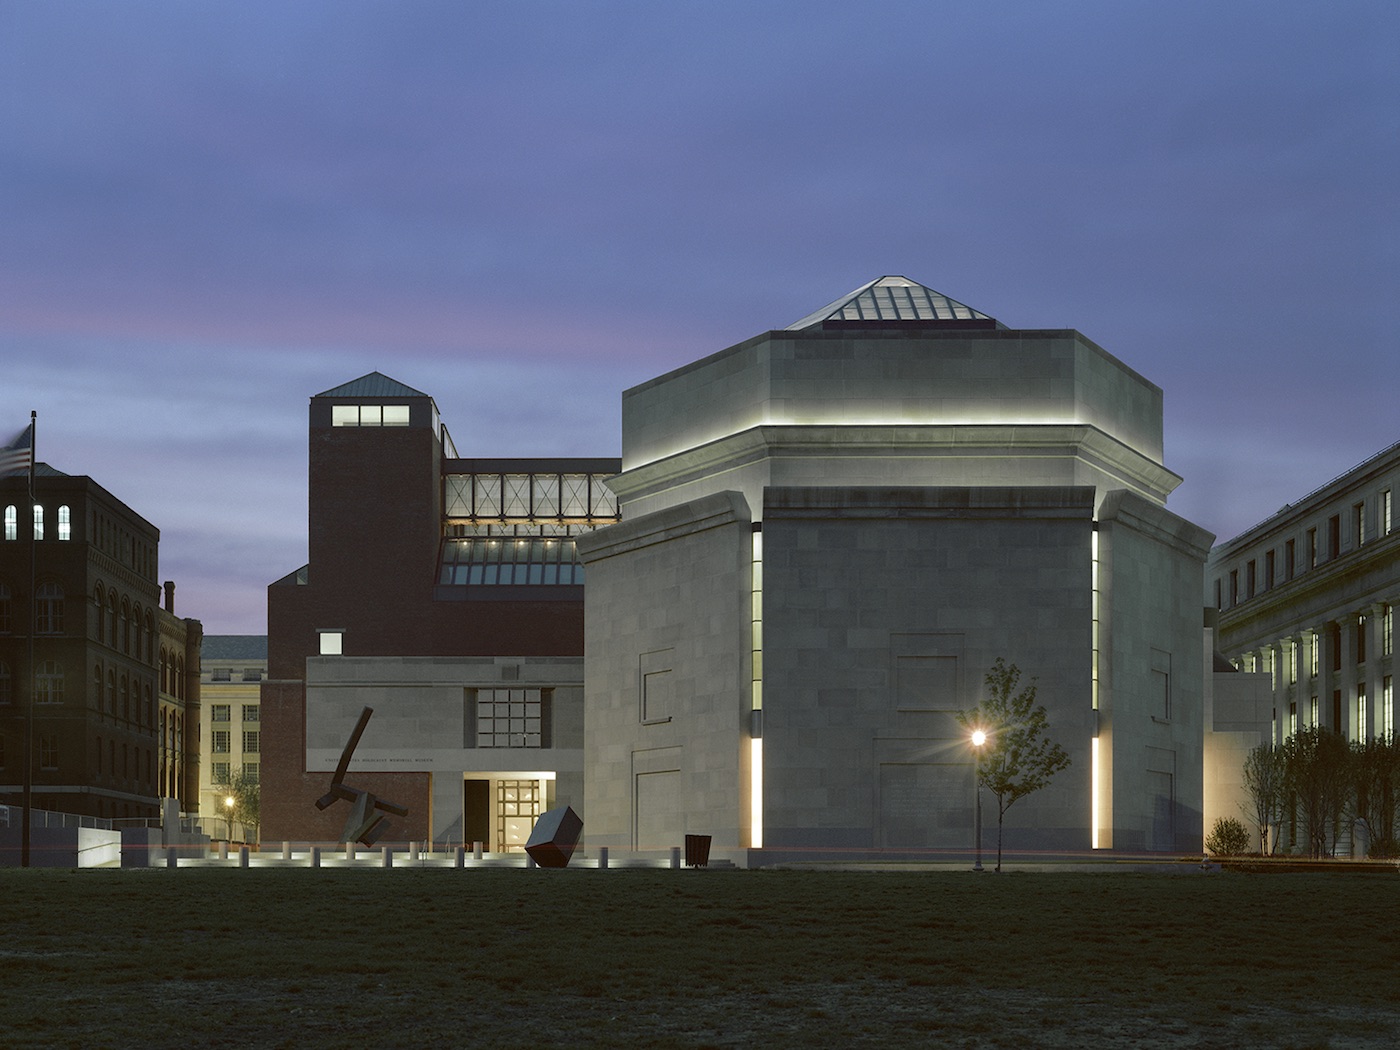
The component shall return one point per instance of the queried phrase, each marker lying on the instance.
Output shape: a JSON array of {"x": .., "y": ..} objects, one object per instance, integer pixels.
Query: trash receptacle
[{"x": 697, "y": 851}]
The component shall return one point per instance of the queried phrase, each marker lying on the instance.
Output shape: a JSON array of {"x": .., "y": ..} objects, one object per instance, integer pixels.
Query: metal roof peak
[{"x": 375, "y": 384}]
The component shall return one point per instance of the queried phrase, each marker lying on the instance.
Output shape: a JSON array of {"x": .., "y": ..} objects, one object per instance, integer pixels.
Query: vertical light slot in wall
[
  {"x": 1094, "y": 791},
  {"x": 1094, "y": 771},
  {"x": 756, "y": 694}
]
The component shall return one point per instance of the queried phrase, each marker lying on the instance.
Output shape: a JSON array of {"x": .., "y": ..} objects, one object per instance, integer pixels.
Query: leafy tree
[
  {"x": 1317, "y": 775},
  {"x": 1229, "y": 838},
  {"x": 242, "y": 787},
  {"x": 1016, "y": 759},
  {"x": 1264, "y": 781}
]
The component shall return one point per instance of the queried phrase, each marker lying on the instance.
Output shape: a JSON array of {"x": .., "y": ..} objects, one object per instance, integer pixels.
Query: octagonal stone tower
[{"x": 831, "y": 531}]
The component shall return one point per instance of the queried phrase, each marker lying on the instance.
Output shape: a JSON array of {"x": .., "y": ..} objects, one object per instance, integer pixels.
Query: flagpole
[{"x": 33, "y": 625}]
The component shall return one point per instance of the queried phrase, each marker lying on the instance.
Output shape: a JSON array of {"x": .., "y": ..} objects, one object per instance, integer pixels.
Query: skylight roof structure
[{"x": 892, "y": 299}]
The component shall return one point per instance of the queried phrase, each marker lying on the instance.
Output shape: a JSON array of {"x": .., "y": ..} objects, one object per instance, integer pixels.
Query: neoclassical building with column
[
  {"x": 1308, "y": 597},
  {"x": 829, "y": 532}
]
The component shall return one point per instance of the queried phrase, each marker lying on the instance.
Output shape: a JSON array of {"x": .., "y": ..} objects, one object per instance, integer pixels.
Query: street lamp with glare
[{"x": 978, "y": 739}]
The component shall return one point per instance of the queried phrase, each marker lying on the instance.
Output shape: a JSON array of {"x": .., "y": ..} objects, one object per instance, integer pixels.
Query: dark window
[
  {"x": 1312, "y": 548},
  {"x": 1269, "y": 571},
  {"x": 48, "y": 683},
  {"x": 1334, "y": 536},
  {"x": 1334, "y": 643},
  {"x": 1289, "y": 564},
  {"x": 1358, "y": 525},
  {"x": 1250, "y": 578},
  {"x": 49, "y": 609},
  {"x": 1234, "y": 587}
]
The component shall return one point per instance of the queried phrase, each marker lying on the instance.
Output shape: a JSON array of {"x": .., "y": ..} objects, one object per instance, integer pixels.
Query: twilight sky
[{"x": 211, "y": 212}]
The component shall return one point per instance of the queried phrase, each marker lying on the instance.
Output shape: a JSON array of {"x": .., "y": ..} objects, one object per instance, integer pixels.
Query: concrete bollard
[
  {"x": 315, "y": 856},
  {"x": 675, "y": 857},
  {"x": 286, "y": 851},
  {"x": 349, "y": 851},
  {"x": 223, "y": 851},
  {"x": 459, "y": 858},
  {"x": 242, "y": 856},
  {"x": 603, "y": 857},
  {"x": 476, "y": 850},
  {"x": 172, "y": 857},
  {"x": 388, "y": 856},
  {"x": 413, "y": 851}
]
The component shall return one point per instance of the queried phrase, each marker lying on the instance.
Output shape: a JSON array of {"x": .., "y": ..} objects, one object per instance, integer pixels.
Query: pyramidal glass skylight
[{"x": 891, "y": 298}]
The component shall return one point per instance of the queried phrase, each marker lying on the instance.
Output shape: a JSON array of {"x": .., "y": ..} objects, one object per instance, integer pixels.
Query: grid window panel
[
  {"x": 251, "y": 712},
  {"x": 517, "y": 809},
  {"x": 219, "y": 712},
  {"x": 251, "y": 741},
  {"x": 509, "y": 718},
  {"x": 221, "y": 741}
]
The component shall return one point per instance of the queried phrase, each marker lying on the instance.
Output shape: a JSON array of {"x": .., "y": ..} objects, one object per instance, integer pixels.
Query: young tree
[
  {"x": 1316, "y": 770},
  {"x": 1375, "y": 772},
  {"x": 1016, "y": 759},
  {"x": 1264, "y": 780}
]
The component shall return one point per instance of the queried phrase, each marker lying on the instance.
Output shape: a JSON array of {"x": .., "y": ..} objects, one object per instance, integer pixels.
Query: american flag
[{"x": 18, "y": 454}]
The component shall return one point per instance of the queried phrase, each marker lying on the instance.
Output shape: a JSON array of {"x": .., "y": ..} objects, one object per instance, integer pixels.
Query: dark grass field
[{"x": 442, "y": 957}]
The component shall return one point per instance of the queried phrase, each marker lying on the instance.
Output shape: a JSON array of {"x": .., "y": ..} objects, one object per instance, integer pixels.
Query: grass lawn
[{"x": 442, "y": 957}]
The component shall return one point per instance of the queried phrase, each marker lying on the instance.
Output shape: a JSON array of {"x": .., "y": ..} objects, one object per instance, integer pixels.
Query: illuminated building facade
[
  {"x": 230, "y": 731},
  {"x": 830, "y": 532},
  {"x": 446, "y": 594},
  {"x": 1306, "y": 599}
]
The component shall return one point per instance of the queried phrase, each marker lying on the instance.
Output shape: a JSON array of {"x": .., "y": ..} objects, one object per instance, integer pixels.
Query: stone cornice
[
  {"x": 771, "y": 441},
  {"x": 1121, "y": 507},
  {"x": 700, "y": 515}
]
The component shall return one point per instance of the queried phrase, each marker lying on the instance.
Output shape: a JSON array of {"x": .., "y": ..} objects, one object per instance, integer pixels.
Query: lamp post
[
  {"x": 978, "y": 739},
  {"x": 228, "y": 815}
]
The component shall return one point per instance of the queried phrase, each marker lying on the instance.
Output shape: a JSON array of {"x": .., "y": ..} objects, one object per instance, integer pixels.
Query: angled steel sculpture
[{"x": 366, "y": 823}]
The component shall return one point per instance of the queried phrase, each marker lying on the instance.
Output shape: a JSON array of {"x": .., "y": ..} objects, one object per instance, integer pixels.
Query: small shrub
[{"x": 1229, "y": 838}]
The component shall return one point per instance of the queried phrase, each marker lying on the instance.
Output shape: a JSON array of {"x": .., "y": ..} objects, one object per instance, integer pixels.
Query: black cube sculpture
[{"x": 554, "y": 837}]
